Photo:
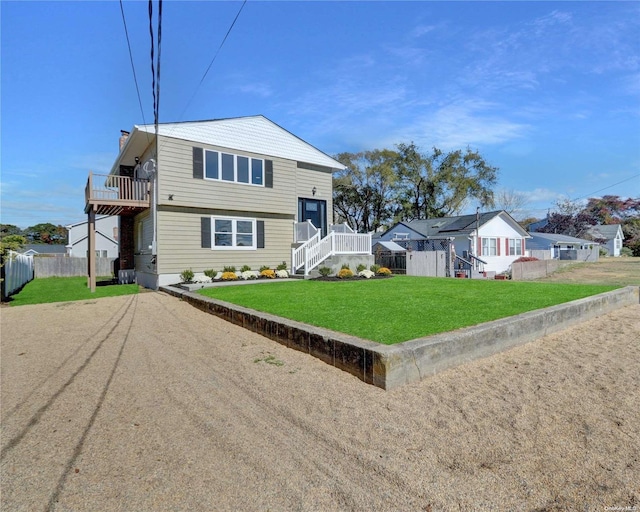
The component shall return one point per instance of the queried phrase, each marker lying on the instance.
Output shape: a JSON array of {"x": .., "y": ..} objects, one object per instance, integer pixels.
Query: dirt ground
[{"x": 143, "y": 403}]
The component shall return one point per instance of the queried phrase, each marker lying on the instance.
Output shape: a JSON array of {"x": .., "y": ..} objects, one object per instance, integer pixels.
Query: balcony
[{"x": 107, "y": 194}]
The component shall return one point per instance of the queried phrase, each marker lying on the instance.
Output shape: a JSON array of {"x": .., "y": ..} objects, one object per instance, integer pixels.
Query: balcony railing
[{"x": 114, "y": 195}]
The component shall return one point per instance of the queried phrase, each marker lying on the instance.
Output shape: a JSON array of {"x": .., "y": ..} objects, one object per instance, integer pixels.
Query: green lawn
[
  {"x": 401, "y": 308},
  {"x": 63, "y": 289}
]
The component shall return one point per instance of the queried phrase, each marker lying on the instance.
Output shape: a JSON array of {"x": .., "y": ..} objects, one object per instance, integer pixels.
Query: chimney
[{"x": 124, "y": 135}]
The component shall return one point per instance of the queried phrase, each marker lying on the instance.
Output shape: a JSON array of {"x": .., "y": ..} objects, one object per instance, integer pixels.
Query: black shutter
[
  {"x": 198, "y": 163},
  {"x": 268, "y": 173},
  {"x": 260, "y": 234},
  {"x": 205, "y": 232}
]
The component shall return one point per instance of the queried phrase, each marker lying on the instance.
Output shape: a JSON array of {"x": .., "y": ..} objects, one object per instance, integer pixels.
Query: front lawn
[
  {"x": 402, "y": 308},
  {"x": 62, "y": 289}
]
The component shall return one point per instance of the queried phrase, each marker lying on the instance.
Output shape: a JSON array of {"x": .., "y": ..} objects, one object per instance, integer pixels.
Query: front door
[{"x": 314, "y": 210}]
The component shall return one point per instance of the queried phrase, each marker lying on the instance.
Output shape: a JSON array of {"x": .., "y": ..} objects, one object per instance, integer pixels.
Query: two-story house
[{"x": 208, "y": 194}]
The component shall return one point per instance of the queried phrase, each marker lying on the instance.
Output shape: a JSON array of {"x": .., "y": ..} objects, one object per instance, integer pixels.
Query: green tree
[
  {"x": 364, "y": 191},
  {"x": 9, "y": 229},
  {"x": 440, "y": 184},
  {"x": 46, "y": 233}
]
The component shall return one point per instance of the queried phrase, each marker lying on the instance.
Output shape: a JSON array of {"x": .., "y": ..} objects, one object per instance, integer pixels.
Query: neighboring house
[
  {"x": 612, "y": 236},
  {"x": 209, "y": 194},
  {"x": 43, "y": 249},
  {"x": 106, "y": 245},
  {"x": 495, "y": 237},
  {"x": 564, "y": 246}
]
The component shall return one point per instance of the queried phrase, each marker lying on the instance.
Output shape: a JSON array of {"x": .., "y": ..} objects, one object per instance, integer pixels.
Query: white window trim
[
  {"x": 235, "y": 168},
  {"x": 517, "y": 246},
  {"x": 234, "y": 233},
  {"x": 489, "y": 246}
]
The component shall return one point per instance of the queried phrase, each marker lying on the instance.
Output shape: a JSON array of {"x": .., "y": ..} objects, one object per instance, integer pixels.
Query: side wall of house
[
  {"x": 185, "y": 202},
  {"x": 502, "y": 232}
]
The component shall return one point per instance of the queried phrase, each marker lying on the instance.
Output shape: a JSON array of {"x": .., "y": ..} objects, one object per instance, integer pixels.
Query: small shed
[{"x": 391, "y": 255}]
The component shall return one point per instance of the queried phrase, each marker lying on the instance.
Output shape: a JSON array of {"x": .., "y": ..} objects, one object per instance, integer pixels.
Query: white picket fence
[{"x": 18, "y": 271}]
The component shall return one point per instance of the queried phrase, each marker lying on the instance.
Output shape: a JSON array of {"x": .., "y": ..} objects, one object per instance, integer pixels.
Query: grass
[
  {"x": 402, "y": 308},
  {"x": 63, "y": 289}
]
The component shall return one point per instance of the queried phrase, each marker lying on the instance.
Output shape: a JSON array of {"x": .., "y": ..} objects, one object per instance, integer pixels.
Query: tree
[
  {"x": 363, "y": 193},
  {"x": 46, "y": 233},
  {"x": 9, "y": 229},
  {"x": 510, "y": 201},
  {"x": 440, "y": 184},
  {"x": 569, "y": 219}
]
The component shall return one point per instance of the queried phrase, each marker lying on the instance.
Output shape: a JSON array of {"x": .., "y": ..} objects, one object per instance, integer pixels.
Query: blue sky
[{"x": 549, "y": 92}]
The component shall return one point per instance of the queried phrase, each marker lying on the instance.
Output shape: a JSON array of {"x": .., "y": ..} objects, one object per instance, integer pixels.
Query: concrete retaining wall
[
  {"x": 529, "y": 270},
  {"x": 391, "y": 366}
]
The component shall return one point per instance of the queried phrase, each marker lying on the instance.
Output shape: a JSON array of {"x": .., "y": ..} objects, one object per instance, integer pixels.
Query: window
[
  {"x": 233, "y": 168},
  {"x": 230, "y": 233},
  {"x": 515, "y": 247},
  {"x": 101, "y": 253},
  {"x": 489, "y": 247}
]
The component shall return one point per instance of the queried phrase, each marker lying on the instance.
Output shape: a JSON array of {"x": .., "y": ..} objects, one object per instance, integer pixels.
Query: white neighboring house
[
  {"x": 106, "y": 238},
  {"x": 559, "y": 245},
  {"x": 494, "y": 238},
  {"x": 613, "y": 236}
]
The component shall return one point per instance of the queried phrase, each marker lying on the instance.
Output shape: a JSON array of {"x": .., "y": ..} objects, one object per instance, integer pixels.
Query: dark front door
[{"x": 314, "y": 210}]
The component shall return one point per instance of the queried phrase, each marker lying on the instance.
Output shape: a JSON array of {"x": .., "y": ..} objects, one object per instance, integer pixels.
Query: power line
[
  {"x": 133, "y": 68},
  {"x": 214, "y": 58},
  {"x": 608, "y": 187}
]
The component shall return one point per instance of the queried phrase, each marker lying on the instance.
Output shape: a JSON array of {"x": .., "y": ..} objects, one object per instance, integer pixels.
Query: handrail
[
  {"x": 109, "y": 187},
  {"x": 304, "y": 231},
  {"x": 315, "y": 250}
]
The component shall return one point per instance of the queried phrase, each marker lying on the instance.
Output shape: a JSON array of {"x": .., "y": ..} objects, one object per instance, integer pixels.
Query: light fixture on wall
[
  {"x": 314, "y": 190},
  {"x": 170, "y": 197}
]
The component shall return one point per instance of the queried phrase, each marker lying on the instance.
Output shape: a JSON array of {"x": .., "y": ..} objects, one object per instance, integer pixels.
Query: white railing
[
  {"x": 18, "y": 271},
  {"x": 304, "y": 231},
  {"x": 315, "y": 250},
  {"x": 342, "y": 228}
]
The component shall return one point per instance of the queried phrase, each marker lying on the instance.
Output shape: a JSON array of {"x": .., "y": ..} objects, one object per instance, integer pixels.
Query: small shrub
[
  {"x": 345, "y": 273},
  {"x": 524, "y": 259},
  {"x": 186, "y": 276},
  {"x": 345, "y": 266},
  {"x": 367, "y": 274},
  {"x": 211, "y": 273},
  {"x": 282, "y": 266},
  {"x": 264, "y": 267},
  {"x": 248, "y": 274},
  {"x": 245, "y": 268},
  {"x": 361, "y": 267},
  {"x": 625, "y": 251},
  {"x": 282, "y": 273},
  {"x": 268, "y": 273},
  {"x": 229, "y": 269},
  {"x": 202, "y": 279},
  {"x": 383, "y": 271},
  {"x": 374, "y": 268},
  {"x": 324, "y": 271},
  {"x": 229, "y": 276}
]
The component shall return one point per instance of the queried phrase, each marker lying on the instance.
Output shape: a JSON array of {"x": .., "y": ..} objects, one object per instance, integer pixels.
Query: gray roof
[
  {"x": 607, "y": 232},
  {"x": 460, "y": 225},
  {"x": 544, "y": 240},
  {"x": 45, "y": 248}
]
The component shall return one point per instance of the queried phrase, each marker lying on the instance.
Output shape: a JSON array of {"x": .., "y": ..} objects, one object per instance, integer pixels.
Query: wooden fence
[{"x": 69, "y": 267}]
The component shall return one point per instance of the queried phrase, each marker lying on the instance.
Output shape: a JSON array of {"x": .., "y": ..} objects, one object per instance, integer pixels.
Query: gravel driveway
[{"x": 143, "y": 403}]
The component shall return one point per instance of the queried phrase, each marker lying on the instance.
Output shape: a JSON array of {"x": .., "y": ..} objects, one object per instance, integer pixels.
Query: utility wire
[
  {"x": 153, "y": 71},
  {"x": 605, "y": 188},
  {"x": 214, "y": 58},
  {"x": 133, "y": 68}
]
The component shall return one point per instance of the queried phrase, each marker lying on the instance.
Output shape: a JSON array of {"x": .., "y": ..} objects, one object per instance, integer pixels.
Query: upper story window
[
  {"x": 233, "y": 168},
  {"x": 515, "y": 247}
]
